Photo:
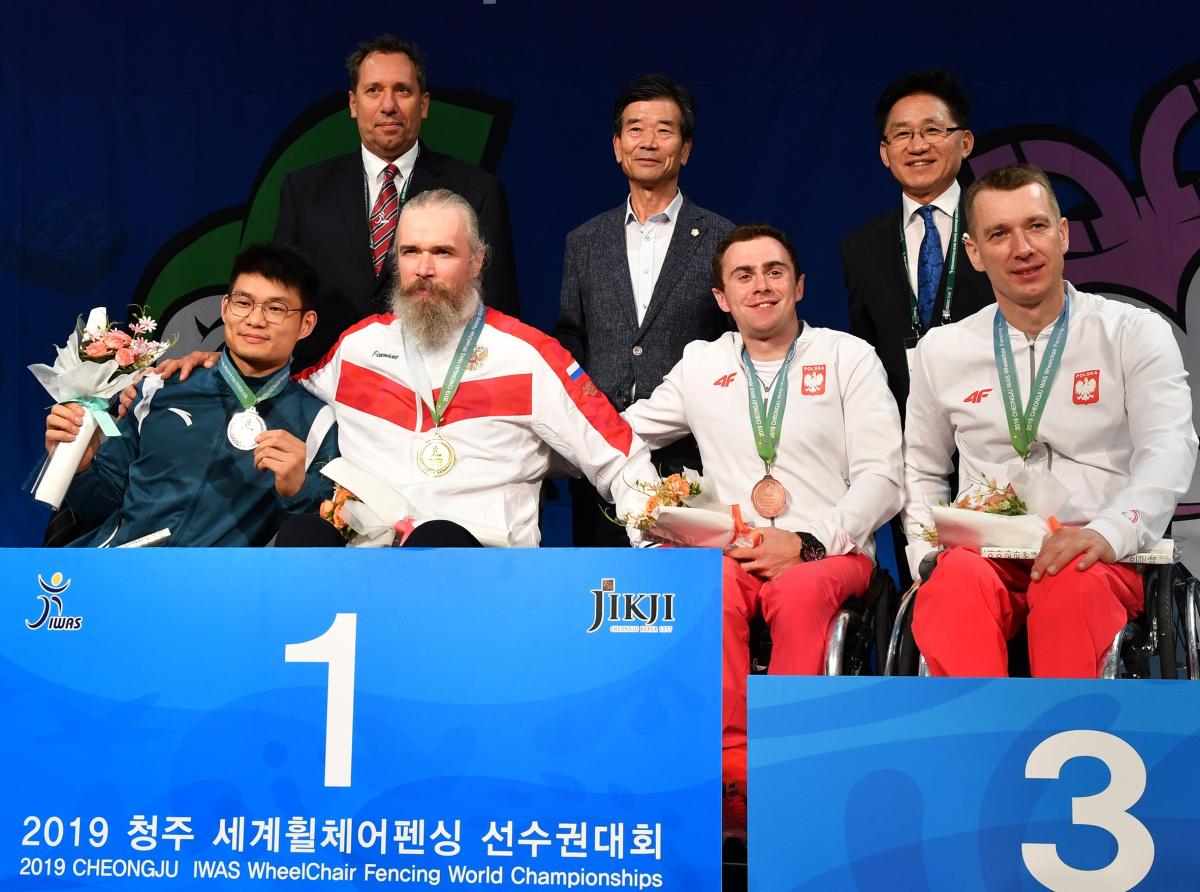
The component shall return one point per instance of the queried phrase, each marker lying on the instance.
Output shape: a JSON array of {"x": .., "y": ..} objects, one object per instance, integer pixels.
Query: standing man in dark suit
[
  {"x": 907, "y": 270},
  {"x": 637, "y": 279},
  {"x": 342, "y": 212}
]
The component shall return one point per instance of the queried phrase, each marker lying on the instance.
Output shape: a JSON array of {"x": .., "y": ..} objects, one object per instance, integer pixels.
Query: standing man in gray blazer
[{"x": 637, "y": 279}]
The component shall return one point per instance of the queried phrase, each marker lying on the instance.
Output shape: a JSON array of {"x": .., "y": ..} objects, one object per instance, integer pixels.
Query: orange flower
[
  {"x": 652, "y": 503},
  {"x": 678, "y": 487}
]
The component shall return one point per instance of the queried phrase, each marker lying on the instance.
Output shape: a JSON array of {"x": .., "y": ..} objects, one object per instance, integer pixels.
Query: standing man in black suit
[
  {"x": 907, "y": 270},
  {"x": 637, "y": 280},
  {"x": 342, "y": 212}
]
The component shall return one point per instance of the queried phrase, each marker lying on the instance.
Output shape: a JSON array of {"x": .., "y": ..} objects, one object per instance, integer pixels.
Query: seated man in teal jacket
[{"x": 223, "y": 457}]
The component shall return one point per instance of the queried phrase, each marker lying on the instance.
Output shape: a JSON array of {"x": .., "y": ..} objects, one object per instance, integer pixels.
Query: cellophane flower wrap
[
  {"x": 679, "y": 511},
  {"x": 98, "y": 361}
]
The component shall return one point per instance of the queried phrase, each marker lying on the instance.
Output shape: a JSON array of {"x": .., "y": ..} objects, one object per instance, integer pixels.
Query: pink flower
[
  {"x": 96, "y": 349},
  {"x": 116, "y": 338},
  {"x": 125, "y": 356}
]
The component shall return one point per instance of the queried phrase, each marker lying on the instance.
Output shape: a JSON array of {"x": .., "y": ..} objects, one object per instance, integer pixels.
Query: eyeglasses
[
  {"x": 929, "y": 133},
  {"x": 274, "y": 311}
]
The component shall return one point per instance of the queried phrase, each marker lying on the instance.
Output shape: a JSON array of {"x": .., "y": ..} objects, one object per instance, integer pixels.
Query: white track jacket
[
  {"x": 839, "y": 449},
  {"x": 1117, "y": 423},
  {"x": 521, "y": 397}
]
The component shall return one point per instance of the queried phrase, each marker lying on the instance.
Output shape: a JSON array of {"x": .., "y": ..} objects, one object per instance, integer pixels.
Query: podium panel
[
  {"x": 973, "y": 784},
  {"x": 195, "y": 719}
]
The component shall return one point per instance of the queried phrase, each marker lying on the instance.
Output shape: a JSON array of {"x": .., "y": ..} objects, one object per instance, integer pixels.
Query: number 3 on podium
[
  {"x": 1108, "y": 810},
  {"x": 336, "y": 647}
]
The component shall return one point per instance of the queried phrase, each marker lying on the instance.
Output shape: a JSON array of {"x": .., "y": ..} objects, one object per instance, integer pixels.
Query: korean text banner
[
  {"x": 405, "y": 719},
  {"x": 973, "y": 784}
]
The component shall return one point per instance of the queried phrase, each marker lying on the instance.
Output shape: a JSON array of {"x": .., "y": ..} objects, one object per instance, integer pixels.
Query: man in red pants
[
  {"x": 773, "y": 407},
  {"x": 1063, "y": 389}
]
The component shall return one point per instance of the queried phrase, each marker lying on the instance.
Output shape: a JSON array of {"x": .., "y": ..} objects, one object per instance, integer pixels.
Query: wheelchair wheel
[{"x": 1166, "y": 615}]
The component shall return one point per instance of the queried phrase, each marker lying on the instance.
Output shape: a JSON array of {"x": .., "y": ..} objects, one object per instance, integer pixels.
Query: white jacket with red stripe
[{"x": 521, "y": 397}]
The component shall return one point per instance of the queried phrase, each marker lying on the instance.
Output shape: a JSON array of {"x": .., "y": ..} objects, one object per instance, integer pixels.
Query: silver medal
[{"x": 243, "y": 429}]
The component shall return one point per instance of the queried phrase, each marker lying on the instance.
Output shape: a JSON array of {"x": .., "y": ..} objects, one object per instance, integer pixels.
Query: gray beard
[{"x": 431, "y": 319}]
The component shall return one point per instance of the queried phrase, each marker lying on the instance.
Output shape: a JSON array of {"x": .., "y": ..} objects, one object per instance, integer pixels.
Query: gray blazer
[{"x": 597, "y": 315}]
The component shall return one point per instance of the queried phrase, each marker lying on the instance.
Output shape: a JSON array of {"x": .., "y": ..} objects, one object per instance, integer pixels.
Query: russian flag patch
[{"x": 574, "y": 372}]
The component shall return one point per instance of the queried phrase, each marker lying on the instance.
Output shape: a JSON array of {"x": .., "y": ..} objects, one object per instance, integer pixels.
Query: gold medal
[
  {"x": 769, "y": 497},
  {"x": 435, "y": 457}
]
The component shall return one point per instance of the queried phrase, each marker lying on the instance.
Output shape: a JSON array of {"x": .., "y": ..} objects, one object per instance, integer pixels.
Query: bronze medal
[
  {"x": 436, "y": 457},
  {"x": 769, "y": 497}
]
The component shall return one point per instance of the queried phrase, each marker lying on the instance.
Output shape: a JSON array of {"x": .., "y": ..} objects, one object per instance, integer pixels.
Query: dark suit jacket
[
  {"x": 323, "y": 213},
  {"x": 597, "y": 314},
  {"x": 877, "y": 286}
]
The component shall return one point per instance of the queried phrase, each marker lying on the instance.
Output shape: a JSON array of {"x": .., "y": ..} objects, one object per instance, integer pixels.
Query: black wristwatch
[{"x": 811, "y": 548}]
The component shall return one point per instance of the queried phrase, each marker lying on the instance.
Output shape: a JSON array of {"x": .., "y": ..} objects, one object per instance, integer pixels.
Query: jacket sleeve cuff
[{"x": 1119, "y": 534}]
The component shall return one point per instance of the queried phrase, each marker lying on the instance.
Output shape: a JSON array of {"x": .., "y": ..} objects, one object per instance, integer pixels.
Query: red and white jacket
[
  {"x": 839, "y": 448},
  {"x": 521, "y": 397},
  {"x": 1117, "y": 422}
]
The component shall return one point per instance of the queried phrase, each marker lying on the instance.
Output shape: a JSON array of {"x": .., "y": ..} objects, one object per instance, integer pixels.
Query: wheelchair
[
  {"x": 1168, "y": 624},
  {"x": 858, "y": 631}
]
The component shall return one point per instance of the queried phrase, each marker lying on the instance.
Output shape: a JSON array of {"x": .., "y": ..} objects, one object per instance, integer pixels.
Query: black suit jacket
[
  {"x": 598, "y": 316},
  {"x": 879, "y": 294},
  {"x": 322, "y": 212}
]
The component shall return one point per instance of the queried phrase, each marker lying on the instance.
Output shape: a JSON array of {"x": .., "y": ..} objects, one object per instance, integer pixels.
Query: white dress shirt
[
  {"x": 373, "y": 166},
  {"x": 914, "y": 227},
  {"x": 646, "y": 245}
]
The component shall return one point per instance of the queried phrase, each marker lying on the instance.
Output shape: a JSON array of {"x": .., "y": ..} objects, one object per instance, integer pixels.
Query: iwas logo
[
  {"x": 52, "y": 607},
  {"x": 630, "y": 611}
]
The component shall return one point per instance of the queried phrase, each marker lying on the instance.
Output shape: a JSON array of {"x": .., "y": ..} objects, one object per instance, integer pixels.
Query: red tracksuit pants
[
  {"x": 972, "y": 605},
  {"x": 798, "y": 606}
]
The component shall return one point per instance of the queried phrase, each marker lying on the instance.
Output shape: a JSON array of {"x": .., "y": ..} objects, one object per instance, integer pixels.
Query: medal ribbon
[
  {"x": 247, "y": 397},
  {"x": 766, "y": 426},
  {"x": 951, "y": 275},
  {"x": 458, "y": 366},
  {"x": 1023, "y": 424}
]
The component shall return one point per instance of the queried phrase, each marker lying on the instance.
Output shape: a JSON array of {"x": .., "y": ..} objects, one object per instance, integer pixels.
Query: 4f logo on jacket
[
  {"x": 977, "y": 395},
  {"x": 812, "y": 379},
  {"x": 725, "y": 380},
  {"x": 1087, "y": 388}
]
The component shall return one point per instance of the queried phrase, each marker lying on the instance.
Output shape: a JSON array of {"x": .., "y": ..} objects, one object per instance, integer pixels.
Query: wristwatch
[{"x": 811, "y": 548}]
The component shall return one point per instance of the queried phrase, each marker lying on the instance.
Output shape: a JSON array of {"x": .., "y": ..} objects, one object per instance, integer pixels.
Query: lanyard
[
  {"x": 951, "y": 275},
  {"x": 766, "y": 426},
  {"x": 401, "y": 198},
  {"x": 1023, "y": 425},
  {"x": 454, "y": 374},
  {"x": 247, "y": 397}
]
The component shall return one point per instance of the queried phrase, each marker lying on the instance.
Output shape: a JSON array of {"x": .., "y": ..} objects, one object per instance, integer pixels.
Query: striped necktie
[{"x": 383, "y": 218}]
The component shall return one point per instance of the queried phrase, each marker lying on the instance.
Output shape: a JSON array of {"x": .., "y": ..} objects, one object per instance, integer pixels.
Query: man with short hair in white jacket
[
  {"x": 1065, "y": 388},
  {"x": 797, "y": 426}
]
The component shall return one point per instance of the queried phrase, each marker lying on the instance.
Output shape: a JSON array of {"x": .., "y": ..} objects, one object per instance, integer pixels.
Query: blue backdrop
[{"x": 126, "y": 125}]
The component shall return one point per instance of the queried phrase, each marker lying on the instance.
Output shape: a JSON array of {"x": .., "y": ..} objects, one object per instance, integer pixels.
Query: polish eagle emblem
[
  {"x": 813, "y": 380},
  {"x": 1087, "y": 387}
]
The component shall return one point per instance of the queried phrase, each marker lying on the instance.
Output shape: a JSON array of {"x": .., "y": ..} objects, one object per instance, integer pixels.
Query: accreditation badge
[
  {"x": 243, "y": 429},
  {"x": 435, "y": 457}
]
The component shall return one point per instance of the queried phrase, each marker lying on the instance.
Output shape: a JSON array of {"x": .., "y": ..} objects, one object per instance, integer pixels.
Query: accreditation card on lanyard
[
  {"x": 910, "y": 343},
  {"x": 436, "y": 456}
]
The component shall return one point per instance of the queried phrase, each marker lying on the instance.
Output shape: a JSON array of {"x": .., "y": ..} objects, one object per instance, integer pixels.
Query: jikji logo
[
  {"x": 183, "y": 284},
  {"x": 52, "y": 602},
  {"x": 630, "y": 611}
]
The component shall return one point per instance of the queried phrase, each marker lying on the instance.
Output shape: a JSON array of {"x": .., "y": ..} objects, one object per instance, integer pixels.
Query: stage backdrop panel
[
  {"x": 964, "y": 784},
  {"x": 419, "y": 718}
]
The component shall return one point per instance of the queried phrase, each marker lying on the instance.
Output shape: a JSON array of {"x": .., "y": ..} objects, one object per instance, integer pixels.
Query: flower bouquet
[
  {"x": 371, "y": 514},
  {"x": 986, "y": 515},
  {"x": 678, "y": 511},
  {"x": 98, "y": 361}
]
